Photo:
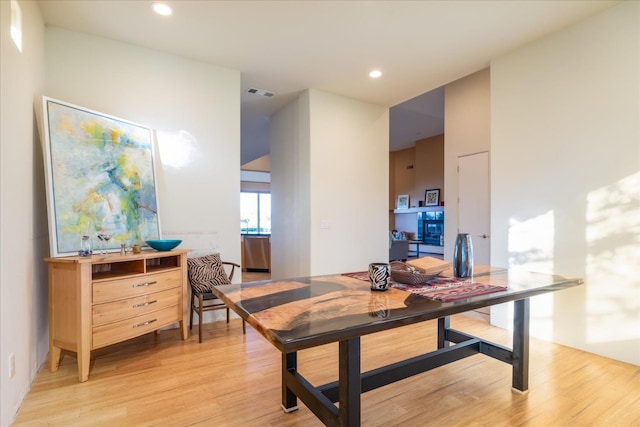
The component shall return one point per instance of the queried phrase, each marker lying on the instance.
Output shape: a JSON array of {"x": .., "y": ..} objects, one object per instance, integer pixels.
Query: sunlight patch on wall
[
  {"x": 16, "y": 24},
  {"x": 613, "y": 261},
  {"x": 531, "y": 245},
  {"x": 176, "y": 148}
]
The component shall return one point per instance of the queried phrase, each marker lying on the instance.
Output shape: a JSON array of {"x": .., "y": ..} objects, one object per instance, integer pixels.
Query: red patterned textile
[
  {"x": 360, "y": 275},
  {"x": 441, "y": 288},
  {"x": 449, "y": 289}
]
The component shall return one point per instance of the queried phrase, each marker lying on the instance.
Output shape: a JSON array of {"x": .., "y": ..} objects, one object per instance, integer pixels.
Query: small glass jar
[{"x": 85, "y": 246}]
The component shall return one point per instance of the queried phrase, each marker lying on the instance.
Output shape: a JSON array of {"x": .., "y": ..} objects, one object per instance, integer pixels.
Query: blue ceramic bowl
[{"x": 163, "y": 244}]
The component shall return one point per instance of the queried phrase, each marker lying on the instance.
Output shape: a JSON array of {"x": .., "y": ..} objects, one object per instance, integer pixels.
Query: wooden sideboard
[{"x": 104, "y": 299}]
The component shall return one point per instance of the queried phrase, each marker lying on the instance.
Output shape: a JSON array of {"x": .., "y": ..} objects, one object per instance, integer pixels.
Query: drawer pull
[
  {"x": 144, "y": 323},
  {"x": 140, "y": 285},
  {"x": 144, "y": 304}
]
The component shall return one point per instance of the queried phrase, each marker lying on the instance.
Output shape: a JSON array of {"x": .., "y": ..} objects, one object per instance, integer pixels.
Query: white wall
[
  {"x": 565, "y": 172},
  {"x": 195, "y": 108},
  {"x": 349, "y": 183},
  {"x": 290, "y": 208},
  {"x": 467, "y": 128},
  {"x": 329, "y": 166},
  {"x": 23, "y": 224}
]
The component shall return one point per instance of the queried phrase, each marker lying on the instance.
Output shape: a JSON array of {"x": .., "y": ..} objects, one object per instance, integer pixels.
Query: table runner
[{"x": 440, "y": 288}]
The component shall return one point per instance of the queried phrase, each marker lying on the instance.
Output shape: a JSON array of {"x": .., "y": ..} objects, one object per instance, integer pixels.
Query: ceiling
[{"x": 288, "y": 46}]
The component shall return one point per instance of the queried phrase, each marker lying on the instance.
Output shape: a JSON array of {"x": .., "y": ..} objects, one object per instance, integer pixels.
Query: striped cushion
[{"x": 205, "y": 272}]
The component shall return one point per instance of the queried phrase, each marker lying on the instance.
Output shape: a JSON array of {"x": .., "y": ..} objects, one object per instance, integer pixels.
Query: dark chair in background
[{"x": 398, "y": 250}]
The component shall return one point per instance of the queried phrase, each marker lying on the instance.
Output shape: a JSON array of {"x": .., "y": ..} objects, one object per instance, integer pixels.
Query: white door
[{"x": 473, "y": 204}]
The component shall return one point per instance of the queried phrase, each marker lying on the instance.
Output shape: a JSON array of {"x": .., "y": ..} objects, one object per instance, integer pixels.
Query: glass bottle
[{"x": 85, "y": 246}]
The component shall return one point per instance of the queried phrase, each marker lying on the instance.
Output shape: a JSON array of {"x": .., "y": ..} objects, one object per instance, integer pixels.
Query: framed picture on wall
[
  {"x": 100, "y": 180},
  {"x": 432, "y": 197},
  {"x": 403, "y": 201}
]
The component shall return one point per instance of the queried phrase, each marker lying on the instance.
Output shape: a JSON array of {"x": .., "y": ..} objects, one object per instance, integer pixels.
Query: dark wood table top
[{"x": 294, "y": 314}]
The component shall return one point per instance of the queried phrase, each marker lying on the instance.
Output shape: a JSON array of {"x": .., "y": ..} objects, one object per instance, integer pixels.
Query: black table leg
[
  {"x": 444, "y": 323},
  {"x": 289, "y": 400},
  {"x": 520, "y": 381},
  {"x": 349, "y": 382}
]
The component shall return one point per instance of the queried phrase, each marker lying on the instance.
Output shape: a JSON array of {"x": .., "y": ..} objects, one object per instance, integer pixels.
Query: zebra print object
[
  {"x": 206, "y": 272},
  {"x": 379, "y": 276}
]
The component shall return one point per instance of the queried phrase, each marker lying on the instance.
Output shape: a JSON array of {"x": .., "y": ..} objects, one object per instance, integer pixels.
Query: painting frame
[
  {"x": 403, "y": 201},
  {"x": 432, "y": 197},
  {"x": 100, "y": 179}
]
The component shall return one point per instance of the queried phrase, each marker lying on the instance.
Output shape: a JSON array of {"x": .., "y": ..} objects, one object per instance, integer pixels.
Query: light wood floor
[
  {"x": 234, "y": 380},
  {"x": 254, "y": 276}
]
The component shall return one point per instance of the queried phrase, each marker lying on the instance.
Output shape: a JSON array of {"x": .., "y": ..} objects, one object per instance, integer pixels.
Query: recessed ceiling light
[
  {"x": 375, "y": 74},
  {"x": 162, "y": 9}
]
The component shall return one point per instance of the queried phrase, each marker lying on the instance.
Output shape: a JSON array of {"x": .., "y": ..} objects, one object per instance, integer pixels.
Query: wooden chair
[{"x": 207, "y": 301}]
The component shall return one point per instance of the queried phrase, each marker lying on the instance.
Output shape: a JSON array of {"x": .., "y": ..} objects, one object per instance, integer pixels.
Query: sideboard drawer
[
  {"x": 135, "y": 326},
  {"x": 123, "y": 309},
  {"x": 111, "y": 290}
]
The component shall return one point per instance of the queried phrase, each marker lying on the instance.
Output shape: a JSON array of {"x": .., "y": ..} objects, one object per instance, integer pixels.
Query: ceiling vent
[{"x": 260, "y": 92}]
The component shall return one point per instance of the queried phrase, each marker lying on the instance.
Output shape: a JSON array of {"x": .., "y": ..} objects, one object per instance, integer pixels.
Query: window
[{"x": 255, "y": 213}]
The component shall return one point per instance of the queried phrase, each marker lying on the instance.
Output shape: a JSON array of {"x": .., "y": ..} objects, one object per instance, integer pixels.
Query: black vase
[{"x": 463, "y": 257}]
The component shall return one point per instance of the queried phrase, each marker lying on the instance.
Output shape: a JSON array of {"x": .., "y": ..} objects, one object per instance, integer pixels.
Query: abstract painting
[{"x": 100, "y": 179}]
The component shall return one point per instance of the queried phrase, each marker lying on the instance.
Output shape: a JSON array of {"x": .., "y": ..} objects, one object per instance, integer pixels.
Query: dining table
[{"x": 299, "y": 313}]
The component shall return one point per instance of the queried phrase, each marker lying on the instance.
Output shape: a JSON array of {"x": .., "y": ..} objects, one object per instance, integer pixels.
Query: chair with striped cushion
[{"x": 204, "y": 273}]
